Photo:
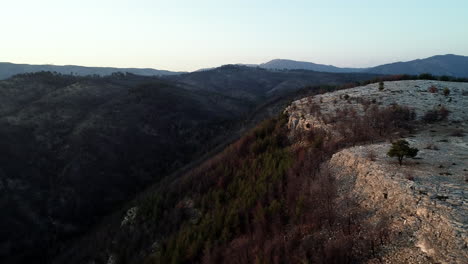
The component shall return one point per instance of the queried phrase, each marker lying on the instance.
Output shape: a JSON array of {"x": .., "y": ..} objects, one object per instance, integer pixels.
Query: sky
[{"x": 188, "y": 35}]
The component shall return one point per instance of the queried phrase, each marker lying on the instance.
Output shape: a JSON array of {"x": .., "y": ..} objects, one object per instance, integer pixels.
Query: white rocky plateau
[{"x": 426, "y": 198}]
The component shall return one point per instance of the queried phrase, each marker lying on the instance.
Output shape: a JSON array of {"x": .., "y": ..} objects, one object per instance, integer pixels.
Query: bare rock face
[
  {"x": 430, "y": 215},
  {"x": 425, "y": 200},
  {"x": 130, "y": 216}
]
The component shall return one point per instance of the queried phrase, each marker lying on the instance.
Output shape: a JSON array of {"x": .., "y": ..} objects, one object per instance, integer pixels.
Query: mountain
[
  {"x": 254, "y": 84},
  {"x": 280, "y": 64},
  {"x": 440, "y": 65},
  {"x": 9, "y": 69},
  {"x": 449, "y": 65}
]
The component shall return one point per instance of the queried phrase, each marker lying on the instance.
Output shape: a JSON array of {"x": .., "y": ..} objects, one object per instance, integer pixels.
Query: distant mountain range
[
  {"x": 280, "y": 64},
  {"x": 450, "y": 65},
  {"x": 9, "y": 69}
]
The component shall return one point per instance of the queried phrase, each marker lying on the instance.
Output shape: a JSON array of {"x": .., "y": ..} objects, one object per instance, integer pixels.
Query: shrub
[
  {"x": 443, "y": 113},
  {"x": 401, "y": 149},
  {"x": 435, "y": 115},
  {"x": 430, "y": 116},
  {"x": 432, "y": 89},
  {"x": 446, "y": 91},
  {"x": 381, "y": 86}
]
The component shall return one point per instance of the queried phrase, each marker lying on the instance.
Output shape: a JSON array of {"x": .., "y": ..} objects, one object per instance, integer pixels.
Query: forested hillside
[
  {"x": 74, "y": 149},
  {"x": 265, "y": 199}
]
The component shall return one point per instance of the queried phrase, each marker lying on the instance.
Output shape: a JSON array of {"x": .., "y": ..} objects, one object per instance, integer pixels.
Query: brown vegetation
[
  {"x": 436, "y": 115},
  {"x": 432, "y": 89}
]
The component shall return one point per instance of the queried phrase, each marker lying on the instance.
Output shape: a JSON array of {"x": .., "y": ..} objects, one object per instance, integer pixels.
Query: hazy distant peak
[
  {"x": 9, "y": 69},
  {"x": 280, "y": 64},
  {"x": 449, "y": 64}
]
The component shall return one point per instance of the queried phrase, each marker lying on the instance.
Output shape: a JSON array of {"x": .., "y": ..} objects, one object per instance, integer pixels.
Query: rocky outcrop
[
  {"x": 424, "y": 201},
  {"x": 307, "y": 112},
  {"x": 430, "y": 223},
  {"x": 130, "y": 216}
]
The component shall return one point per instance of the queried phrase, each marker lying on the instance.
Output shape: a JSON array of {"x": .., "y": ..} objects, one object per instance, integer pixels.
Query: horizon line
[{"x": 213, "y": 67}]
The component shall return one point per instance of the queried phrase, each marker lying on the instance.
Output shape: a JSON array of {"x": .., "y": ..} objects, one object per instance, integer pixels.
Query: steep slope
[
  {"x": 423, "y": 202},
  {"x": 426, "y": 197},
  {"x": 449, "y": 65},
  {"x": 74, "y": 148},
  {"x": 9, "y": 69},
  {"x": 249, "y": 203}
]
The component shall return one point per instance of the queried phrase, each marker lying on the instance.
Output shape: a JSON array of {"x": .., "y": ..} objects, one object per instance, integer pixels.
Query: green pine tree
[{"x": 401, "y": 149}]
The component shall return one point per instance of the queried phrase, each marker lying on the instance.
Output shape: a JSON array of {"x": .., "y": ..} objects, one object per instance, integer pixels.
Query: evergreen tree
[
  {"x": 446, "y": 91},
  {"x": 381, "y": 86},
  {"x": 401, "y": 149}
]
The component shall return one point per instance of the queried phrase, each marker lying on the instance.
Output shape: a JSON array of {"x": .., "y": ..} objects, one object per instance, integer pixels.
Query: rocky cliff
[
  {"x": 427, "y": 211},
  {"x": 424, "y": 202}
]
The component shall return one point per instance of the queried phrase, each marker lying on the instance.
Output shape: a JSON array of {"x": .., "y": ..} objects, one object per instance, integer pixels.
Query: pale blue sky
[{"x": 188, "y": 35}]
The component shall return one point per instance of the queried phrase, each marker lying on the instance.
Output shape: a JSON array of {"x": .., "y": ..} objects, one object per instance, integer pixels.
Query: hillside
[
  {"x": 75, "y": 148},
  {"x": 449, "y": 65},
  {"x": 9, "y": 69},
  {"x": 256, "y": 84},
  {"x": 294, "y": 189}
]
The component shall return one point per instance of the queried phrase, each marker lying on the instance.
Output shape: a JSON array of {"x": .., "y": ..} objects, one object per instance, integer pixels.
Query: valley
[
  {"x": 75, "y": 149},
  {"x": 314, "y": 183}
]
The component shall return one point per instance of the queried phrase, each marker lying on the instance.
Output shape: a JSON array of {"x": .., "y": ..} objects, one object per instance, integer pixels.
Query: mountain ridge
[
  {"x": 304, "y": 65},
  {"x": 8, "y": 69},
  {"x": 448, "y": 64}
]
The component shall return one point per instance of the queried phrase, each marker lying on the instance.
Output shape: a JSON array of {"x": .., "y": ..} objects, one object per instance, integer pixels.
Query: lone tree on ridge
[{"x": 401, "y": 149}]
